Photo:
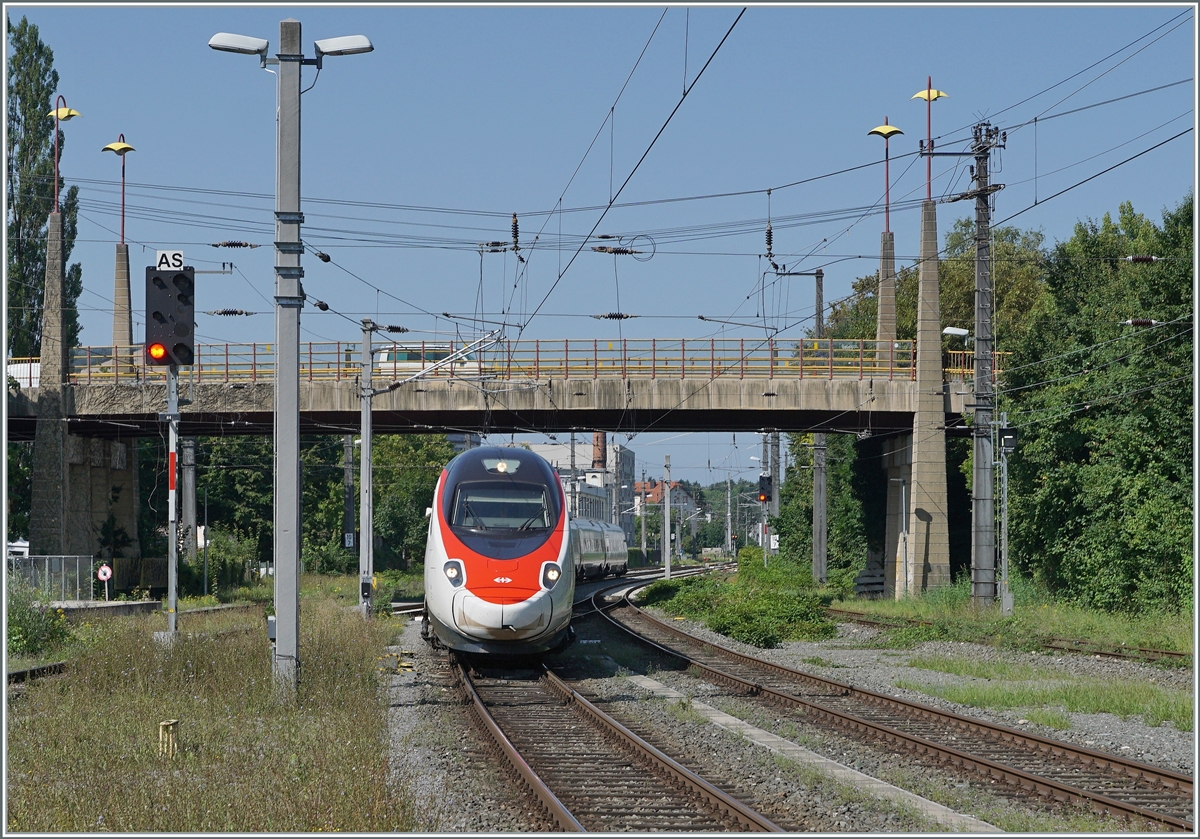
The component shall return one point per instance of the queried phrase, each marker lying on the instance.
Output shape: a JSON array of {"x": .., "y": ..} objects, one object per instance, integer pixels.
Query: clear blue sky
[{"x": 462, "y": 116}]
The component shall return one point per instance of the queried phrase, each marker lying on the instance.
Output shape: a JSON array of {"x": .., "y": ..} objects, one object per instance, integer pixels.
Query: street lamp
[
  {"x": 121, "y": 148},
  {"x": 886, "y": 131},
  {"x": 929, "y": 94},
  {"x": 63, "y": 113},
  {"x": 289, "y": 299}
]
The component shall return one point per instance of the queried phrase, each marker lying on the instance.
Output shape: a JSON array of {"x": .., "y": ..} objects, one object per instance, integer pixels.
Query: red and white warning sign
[{"x": 104, "y": 573}]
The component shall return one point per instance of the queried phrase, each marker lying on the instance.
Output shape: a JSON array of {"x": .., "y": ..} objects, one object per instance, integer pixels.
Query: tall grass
[
  {"x": 1036, "y": 617},
  {"x": 83, "y": 750},
  {"x": 1123, "y": 697}
]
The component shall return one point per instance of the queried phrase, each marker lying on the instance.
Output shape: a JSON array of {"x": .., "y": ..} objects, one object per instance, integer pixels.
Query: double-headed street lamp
[{"x": 289, "y": 299}]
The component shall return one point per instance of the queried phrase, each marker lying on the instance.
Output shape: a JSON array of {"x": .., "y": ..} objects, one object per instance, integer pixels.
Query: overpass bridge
[
  {"x": 514, "y": 386},
  {"x": 90, "y": 404}
]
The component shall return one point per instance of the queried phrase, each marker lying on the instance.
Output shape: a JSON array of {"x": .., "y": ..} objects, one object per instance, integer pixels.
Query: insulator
[
  {"x": 396, "y": 329},
  {"x": 493, "y": 244},
  {"x": 1140, "y": 322},
  {"x": 770, "y": 240},
  {"x": 232, "y": 244},
  {"x": 614, "y": 316},
  {"x": 1141, "y": 258},
  {"x": 606, "y": 236},
  {"x": 516, "y": 234},
  {"x": 228, "y": 312},
  {"x": 324, "y": 257}
]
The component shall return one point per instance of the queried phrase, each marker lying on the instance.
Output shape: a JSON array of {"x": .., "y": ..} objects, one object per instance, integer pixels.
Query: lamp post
[
  {"x": 886, "y": 131},
  {"x": 122, "y": 319},
  {"x": 929, "y": 94},
  {"x": 289, "y": 299},
  {"x": 121, "y": 148},
  {"x": 60, "y": 113}
]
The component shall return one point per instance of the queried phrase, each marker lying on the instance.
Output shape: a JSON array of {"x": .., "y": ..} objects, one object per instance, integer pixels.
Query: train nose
[{"x": 479, "y": 618}]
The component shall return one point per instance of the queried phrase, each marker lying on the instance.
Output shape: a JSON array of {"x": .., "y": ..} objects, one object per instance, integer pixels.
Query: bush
[
  {"x": 763, "y": 607},
  {"x": 33, "y": 627},
  {"x": 231, "y": 556},
  {"x": 328, "y": 557}
]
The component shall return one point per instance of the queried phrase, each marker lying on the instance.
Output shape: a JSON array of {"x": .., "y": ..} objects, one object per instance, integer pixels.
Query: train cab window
[{"x": 500, "y": 505}]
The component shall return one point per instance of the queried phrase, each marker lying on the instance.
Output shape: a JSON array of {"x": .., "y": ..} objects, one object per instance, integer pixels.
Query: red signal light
[{"x": 157, "y": 352}]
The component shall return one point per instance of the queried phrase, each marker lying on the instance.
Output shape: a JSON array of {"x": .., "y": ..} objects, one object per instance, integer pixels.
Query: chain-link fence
[{"x": 57, "y": 577}]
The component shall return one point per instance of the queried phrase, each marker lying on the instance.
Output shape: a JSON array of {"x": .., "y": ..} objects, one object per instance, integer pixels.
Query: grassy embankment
[
  {"x": 766, "y": 607},
  {"x": 83, "y": 751}
]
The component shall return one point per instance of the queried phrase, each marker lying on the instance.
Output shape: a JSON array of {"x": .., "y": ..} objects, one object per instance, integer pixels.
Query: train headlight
[
  {"x": 550, "y": 575},
  {"x": 453, "y": 570}
]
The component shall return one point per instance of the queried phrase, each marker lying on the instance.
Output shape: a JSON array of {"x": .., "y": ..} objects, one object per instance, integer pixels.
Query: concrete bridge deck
[{"x": 680, "y": 385}]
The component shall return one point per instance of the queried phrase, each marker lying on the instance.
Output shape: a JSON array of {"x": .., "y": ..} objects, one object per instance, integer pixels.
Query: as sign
[{"x": 168, "y": 260}]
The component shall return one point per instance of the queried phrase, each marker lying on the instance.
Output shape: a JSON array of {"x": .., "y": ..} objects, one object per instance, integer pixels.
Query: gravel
[{"x": 456, "y": 786}]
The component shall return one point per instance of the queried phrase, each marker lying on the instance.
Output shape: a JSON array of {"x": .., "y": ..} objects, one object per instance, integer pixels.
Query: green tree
[
  {"x": 32, "y": 85},
  {"x": 850, "y": 492},
  {"x": 406, "y": 471},
  {"x": 1101, "y": 486},
  {"x": 20, "y": 489}
]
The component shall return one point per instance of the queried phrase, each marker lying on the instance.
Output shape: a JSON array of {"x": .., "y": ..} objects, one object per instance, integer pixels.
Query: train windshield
[{"x": 500, "y": 505}]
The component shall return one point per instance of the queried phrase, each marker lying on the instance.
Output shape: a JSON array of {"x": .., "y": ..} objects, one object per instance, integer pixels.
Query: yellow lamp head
[
  {"x": 119, "y": 148},
  {"x": 64, "y": 114},
  {"x": 929, "y": 95},
  {"x": 885, "y": 131}
]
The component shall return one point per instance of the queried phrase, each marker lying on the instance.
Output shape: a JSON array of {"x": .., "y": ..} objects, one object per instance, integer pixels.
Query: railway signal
[
  {"x": 170, "y": 315},
  {"x": 764, "y": 489}
]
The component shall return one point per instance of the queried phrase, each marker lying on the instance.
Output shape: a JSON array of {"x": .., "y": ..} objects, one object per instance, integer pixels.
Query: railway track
[
  {"x": 590, "y": 772},
  {"x": 1107, "y": 783},
  {"x": 1058, "y": 644}
]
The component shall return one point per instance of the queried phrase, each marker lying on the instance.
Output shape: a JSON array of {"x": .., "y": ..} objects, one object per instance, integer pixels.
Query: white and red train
[{"x": 503, "y": 555}]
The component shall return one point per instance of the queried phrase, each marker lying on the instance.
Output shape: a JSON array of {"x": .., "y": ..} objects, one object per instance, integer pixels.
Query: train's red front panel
[{"x": 501, "y": 581}]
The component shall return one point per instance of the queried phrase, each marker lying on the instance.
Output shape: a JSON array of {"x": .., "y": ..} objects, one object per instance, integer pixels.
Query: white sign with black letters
[{"x": 168, "y": 260}]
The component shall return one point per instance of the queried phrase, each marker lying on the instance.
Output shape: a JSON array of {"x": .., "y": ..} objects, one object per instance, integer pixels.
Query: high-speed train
[{"x": 503, "y": 555}]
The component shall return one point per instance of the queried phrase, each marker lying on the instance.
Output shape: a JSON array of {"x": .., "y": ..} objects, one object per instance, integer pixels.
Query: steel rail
[
  {"x": 553, "y": 807},
  {"x": 724, "y": 802},
  {"x": 1045, "y": 786}
]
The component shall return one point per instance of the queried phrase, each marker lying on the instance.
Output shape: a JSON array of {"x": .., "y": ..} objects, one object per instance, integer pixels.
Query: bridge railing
[
  {"x": 707, "y": 358},
  {"x": 701, "y": 358}
]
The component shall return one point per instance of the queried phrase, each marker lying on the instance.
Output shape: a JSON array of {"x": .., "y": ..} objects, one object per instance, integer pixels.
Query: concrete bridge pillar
[
  {"x": 928, "y": 526},
  {"x": 77, "y": 482},
  {"x": 885, "y": 319}
]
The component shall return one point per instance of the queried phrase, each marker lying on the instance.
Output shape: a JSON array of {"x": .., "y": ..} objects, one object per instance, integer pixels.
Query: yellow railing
[
  {"x": 961, "y": 363},
  {"x": 536, "y": 359}
]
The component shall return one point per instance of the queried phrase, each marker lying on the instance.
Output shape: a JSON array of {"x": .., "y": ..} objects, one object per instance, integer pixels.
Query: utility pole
[
  {"x": 289, "y": 300},
  {"x": 820, "y": 504},
  {"x": 983, "y": 508},
  {"x": 643, "y": 508},
  {"x": 766, "y": 505},
  {"x": 728, "y": 515},
  {"x": 666, "y": 530},
  {"x": 776, "y": 479},
  {"x": 348, "y": 491},
  {"x": 187, "y": 480},
  {"x": 366, "y": 521},
  {"x": 575, "y": 485}
]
